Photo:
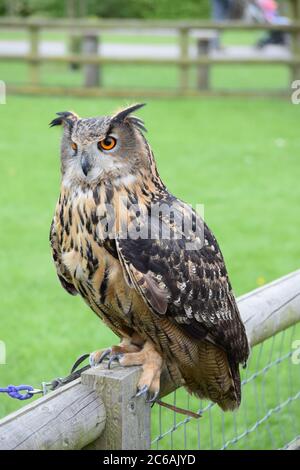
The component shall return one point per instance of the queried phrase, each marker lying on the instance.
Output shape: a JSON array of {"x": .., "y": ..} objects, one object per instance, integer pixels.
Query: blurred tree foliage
[
  {"x": 33, "y": 7},
  {"x": 174, "y": 9}
]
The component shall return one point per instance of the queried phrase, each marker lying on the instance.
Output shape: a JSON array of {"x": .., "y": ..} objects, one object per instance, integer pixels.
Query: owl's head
[{"x": 103, "y": 148}]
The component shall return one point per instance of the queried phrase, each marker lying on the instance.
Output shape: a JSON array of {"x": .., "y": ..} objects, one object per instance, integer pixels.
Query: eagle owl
[{"x": 157, "y": 278}]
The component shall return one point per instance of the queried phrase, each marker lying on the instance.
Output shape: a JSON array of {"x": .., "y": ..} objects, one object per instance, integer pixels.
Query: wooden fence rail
[
  {"x": 99, "y": 411},
  {"x": 90, "y": 30}
]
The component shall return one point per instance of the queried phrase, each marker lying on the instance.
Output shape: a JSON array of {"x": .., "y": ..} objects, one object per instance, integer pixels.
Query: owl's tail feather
[
  {"x": 234, "y": 400},
  {"x": 216, "y": 378},
  {"x": 231, "y": 401}
]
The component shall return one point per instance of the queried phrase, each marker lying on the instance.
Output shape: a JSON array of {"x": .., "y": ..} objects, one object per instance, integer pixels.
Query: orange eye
[
  {"x": 74, "y": 146},
  {"x": 107, "y": 144}
]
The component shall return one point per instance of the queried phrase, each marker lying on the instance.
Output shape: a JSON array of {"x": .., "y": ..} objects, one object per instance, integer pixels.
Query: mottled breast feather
[{"x": 62, "y": 274}]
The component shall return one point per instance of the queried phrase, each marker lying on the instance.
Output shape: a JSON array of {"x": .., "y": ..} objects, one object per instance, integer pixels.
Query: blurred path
[{"x": 52, "y": 48}]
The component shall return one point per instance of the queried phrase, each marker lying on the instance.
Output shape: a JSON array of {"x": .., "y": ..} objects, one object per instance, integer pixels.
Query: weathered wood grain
[
  {"x": 69, "y": 418},
  {"x": 128, "y": 418},
  {"x": 271, "y": 308},
  {"x": 294, "y": 445}
]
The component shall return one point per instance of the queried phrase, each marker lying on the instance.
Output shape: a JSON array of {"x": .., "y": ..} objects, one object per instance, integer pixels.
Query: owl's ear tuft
[
  {"x": 64, "y": 118},
  {"x": 55, "y": 122},
  {"x": 124, "y": 113},
  {"x": 137, "y": 122}
]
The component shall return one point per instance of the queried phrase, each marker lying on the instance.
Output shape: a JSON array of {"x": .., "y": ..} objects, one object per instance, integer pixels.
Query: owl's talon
[
  {"x": 114, "y": 357},
  {"x": 104, "y": 355},
  {"x": 91, "y": 360},
  {"x": 93, "y": 357},
  {"x": 142, "y": 391},
  {"x": 153, "y": 398}
]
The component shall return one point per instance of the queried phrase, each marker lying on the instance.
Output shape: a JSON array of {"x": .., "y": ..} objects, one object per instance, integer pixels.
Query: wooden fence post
[
  {"x": 203, "y": 70},
  {"x": 204, "y": 41},
  {"x": 34, "y": 51},
  {"x": 91, "y": 71},
  {"x": 184, "y": 55},
  {"x": 127, "y": 418}
]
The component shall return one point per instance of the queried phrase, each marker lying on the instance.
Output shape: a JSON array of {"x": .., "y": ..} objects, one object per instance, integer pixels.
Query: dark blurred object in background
[
  {"x": 267, "y": 11},
  {"x": 221, "y": 9},
  {"x": 237, "y": 9},
  {"x": 224, "y": 10}
]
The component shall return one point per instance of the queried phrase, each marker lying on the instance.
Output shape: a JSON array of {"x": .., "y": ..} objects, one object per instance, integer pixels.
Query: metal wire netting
[{"x": 268, "y": 418}]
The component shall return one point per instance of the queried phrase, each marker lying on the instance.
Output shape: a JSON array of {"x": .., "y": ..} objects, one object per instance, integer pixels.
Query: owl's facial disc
[
  {"x": 88, "y": 162},
  {"x": 105, "y": 148},
  {"x": 97, "y": 159}
]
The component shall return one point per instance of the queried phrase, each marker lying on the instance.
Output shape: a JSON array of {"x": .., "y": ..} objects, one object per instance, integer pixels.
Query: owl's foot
[
  {"x": 128, "y": 354},
  {"x": 152, "y": 362},
  {"x": 113, "y": 353}
]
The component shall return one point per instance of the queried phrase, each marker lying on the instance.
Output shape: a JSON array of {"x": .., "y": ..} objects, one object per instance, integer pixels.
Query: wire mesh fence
[{"x": 268, "y": 418}]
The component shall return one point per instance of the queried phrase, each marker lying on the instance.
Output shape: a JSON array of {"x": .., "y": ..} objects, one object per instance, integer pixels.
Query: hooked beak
[{"x": 85, "y": 163}]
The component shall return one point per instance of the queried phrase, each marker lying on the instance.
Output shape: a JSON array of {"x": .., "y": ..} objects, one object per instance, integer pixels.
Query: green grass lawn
[{"x": 240, "y": 158}]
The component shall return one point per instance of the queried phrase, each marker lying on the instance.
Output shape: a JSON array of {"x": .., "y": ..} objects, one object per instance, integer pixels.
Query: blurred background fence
[{"x": 183, "y": 45}]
